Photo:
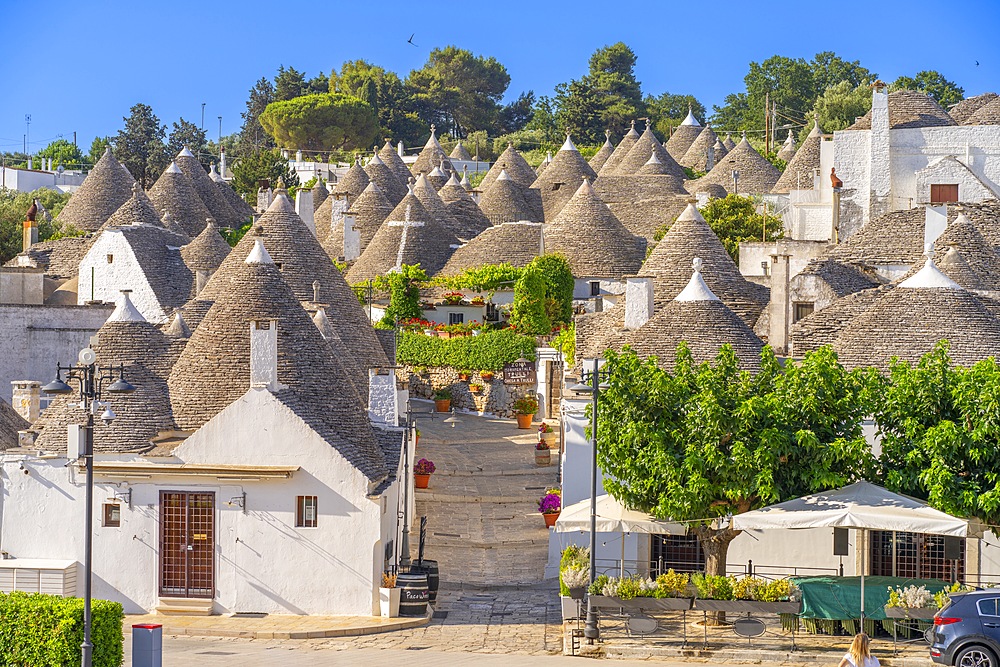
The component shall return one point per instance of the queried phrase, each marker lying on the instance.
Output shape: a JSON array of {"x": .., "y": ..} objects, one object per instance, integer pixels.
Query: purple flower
[
  {"x": 423, "y": 467},
  {"x": 550, "y": 504}
]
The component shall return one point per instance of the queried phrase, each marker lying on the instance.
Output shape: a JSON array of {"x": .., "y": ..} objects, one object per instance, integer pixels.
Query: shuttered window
[{"x": 944, "y": 194}]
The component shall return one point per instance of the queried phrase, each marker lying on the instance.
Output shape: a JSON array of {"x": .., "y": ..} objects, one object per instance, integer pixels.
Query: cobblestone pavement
[{"x": 483, "y": 525}]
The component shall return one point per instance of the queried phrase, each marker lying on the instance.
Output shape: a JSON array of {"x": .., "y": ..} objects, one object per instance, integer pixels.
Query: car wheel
[{"x": 976, "y": 656}]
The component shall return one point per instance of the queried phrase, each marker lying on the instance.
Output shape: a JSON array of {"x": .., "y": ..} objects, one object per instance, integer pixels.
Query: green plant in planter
[
  {"x": 442, "y": 394},
  {"x": 672, "y": 584},
  {"x": 597, "y": 588},
  {"x": 748, "y": 588},
  {"x": 526, "y": 405},
  {"x": 576, "y": 557},
  {"x": 712, "y": 586}
]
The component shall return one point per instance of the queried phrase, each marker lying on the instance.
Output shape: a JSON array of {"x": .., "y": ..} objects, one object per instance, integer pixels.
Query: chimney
[
  {"x": 304, "y": 207},
  {"x": 264, "y": 355},
  {"x": 710, "y": 158},
  {"x": 29, "y": 235},
  {"x": 399, "y": 149},
  {"x": 26, "y": 399},
  {"x": 298, "y": 156},
  {"x": 352, "y": 239},
  {"x": 638, "y": 301},
  {"x": 263, "y": 198},
  {"x": 222, "y": 162},
  {"x": 780, "y": 306},
  {"x": 879, "y": 168}
]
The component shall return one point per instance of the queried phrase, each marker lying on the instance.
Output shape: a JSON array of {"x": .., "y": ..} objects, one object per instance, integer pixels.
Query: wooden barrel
[
  {"x": 430, "y": 568},
  {"x": 413, "y": 594}
]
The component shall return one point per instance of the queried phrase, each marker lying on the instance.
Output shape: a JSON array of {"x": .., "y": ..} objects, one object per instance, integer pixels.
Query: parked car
[{"x": 966, "y": 630}]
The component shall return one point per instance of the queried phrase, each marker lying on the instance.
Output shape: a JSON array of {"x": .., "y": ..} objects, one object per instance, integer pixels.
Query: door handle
[{"x": 992, "y": 625}]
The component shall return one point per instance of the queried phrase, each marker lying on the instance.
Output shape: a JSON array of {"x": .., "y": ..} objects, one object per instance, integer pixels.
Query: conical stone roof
[
  {"x": 240, "y": 207},
  {"x": 683, "y": 137},
  {"x": 380, "y": 174},
  {"x": 106, "y": 188},
  {"x": 434, "y": 206},
  {"x": 504, "y": 202},
  {"x": 353, "y": 183},
  {"x": 10, "y": 423},
  {"x": 646, "y": 146},
  {"x": 653, "y": 167},
  {"x": 207, "y": 251},
  {"x": 696, "y": 156},
  {"x": 459, "y": 152},
  {"x": 798, "y": 174},
  {"x": 207, "y": 190},
  {"x": 513, "y": 243},
  {"x": 173, "y": 193},
  {"x": 621, "y": 150},
  {"x": 304, "y": 262},
  {"x": 470, "y": 218},
  {"x": 138, "y": 210},
  {"x": 355, "y": 373},
  {"x": 320, "y": 193},
  {"x": 544, "y": 163},
  {"x": 986, "y": 114},
  {"x": 909, "y": 109},
  {"x": 431, "y": 156},
  {"x": 561, "y": 179},
  {"x": 787, "y": 151},
  {"x": 729, "y": 143},
  {"x": 437, "y": 178},
  {"x": 369, "y": 210},
  {"x": 757, "y": 176},
  {"x": 964, "y": 110},
  {"x": 410, "y": 235},
  {"x": 214, "y": 369},
  {"x": 391, "y": 158},
  {"x": 601, "y": 156},
  {"x": 671, "y": 259},
  {"x": 593, "y": 240},
  {"x": 515, "y": 166}
]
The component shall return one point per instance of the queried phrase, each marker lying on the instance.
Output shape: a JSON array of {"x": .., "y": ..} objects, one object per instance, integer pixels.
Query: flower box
[
  {"x": 641, "y": 604},
  {"x": 388, "y": 602},
  {"x": 570, "y": 608},
  {"x": 748, "y": 606},
  {"x": 920, "y": 613}
]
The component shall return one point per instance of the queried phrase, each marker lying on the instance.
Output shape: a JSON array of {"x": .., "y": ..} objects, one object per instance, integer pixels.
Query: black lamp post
[
  {"x": 591, "y": 384},
  {"x": 91, "y": 378}
]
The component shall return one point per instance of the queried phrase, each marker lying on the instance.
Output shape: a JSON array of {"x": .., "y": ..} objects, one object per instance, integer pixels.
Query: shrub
[
  {"x": 526, "y": 405},
  {"x": 672, "y": 584},
  {"x": 565, "y": 342},
  {"x": 597, "y": 588},
  {"x": 38, "y": 629},
  {"x": 529, "y": 313},
  {"x": 488, "y": 351},
  {"x": 713, "y": 587}
]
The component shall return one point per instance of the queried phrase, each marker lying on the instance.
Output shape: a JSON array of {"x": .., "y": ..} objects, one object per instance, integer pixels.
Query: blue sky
[{"x": 85, "y": 63}]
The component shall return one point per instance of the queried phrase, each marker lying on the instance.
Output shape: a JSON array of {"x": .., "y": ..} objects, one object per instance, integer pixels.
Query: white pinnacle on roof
[
  {"x": 321, "y": 321},
  {"x": 173, "y": 169},
  {"x": 465, "y": 182},
  {"x": 817, "y": 130},
  {"x": 376, "y": 159},
  {"x": 696, "y": 289},
  {"x": 548, "y": 157},
  {"x": 690, "y": 119},
  {"x": 125, "y": 311},
  {"x": 214, "y": 175},
  {"x": 653, "y": 159},
  {"x": 178, "y": 327},
  {"x": 568, "y": 145},
  {"x": 930, "y": 275},
  {"x": 453, "y": 180},
  {"x": 436, "y": 171},
  {"x": 185, "y": 153},
  {"x": 259, "y": 254},
  {"x": 503, "y": 175},
  {"x": 789, "y": 140}
]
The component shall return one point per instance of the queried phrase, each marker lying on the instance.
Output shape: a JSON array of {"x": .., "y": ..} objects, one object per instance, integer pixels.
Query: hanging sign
[{"x": 520, "y": 372}]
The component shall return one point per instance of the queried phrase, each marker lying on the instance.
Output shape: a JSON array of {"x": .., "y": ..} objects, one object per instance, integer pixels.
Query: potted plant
[
  {"x": 575, "y": 558},
  {"x": 549, "y": 506},
  {"x": 416, "y": 438},
  {"x": 547, "y": 434},
  {"x": 463, "y": 375},
  {"x": 475, "y": 387},
  {"x": 525, "y": 409},
  {"x": 453, "y": 298},
  {"x": 486, "y": 375},
  {"x": 576, "y": 578},
  {"x": 388, "y": 596},
  {"x": 442, "y": 399},
  {"x": 916, "y": 601},
  {"x": 543, "y": 455},
  {"x": 478, "y": 300},
  {"x": 745, "y": 595},
  {"x": 422, "y": 471},
  {"x": 668, "y": 592}
]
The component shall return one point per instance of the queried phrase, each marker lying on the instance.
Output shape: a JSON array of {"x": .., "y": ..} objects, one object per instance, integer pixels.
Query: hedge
[
  {"x": 488, "y": 351},
  {"x": 37, "y": 629}
]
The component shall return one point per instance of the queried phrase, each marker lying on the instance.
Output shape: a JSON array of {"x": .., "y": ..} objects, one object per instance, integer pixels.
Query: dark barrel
[
  {"x": 430, "y": 568},
  {"x": 413, "y": 594}
]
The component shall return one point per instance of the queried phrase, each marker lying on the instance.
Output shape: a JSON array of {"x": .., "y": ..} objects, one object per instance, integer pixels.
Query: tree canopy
[
  {"x": 384, "y": 92},
  {"x": 931, "y": 83},
  {"x": 139, "y": 145},
  {"x": 62, "y": 152},
  {"x": 251, "y": 168},
  {"x": 321, "y": 122},
  {"x": 252, "y": 135},
  {"x": 186, "y": 134}
]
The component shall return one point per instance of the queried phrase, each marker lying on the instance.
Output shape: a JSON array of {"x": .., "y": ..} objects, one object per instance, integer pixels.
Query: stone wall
[{"x": 496, "y": 398}]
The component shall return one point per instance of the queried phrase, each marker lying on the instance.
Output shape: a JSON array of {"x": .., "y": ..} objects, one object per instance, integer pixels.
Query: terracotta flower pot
[
  {"x": 421, "y": 481},
  {"x": 524, "y": 421},
  {"x": 442, "y": 405},
  {"x": 463, "y": 376},
  {"x": 550, "y": 519}
]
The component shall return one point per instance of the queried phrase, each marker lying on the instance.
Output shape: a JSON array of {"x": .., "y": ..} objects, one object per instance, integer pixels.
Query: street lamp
[
  {"x": 404, "y": 541},
  {"x": 91, "y": 378},
  {"x": 591, "y": 384}
]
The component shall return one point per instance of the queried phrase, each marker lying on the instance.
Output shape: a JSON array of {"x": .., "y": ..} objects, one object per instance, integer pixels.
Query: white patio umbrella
[{"x": 863, "y": 506}]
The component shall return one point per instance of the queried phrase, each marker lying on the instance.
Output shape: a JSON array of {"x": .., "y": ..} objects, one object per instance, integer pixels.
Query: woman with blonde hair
[{"x": 859, "y": 654}]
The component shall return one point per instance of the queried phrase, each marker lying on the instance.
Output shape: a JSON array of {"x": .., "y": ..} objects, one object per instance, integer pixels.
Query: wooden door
[{"x": 187, "y": 544}]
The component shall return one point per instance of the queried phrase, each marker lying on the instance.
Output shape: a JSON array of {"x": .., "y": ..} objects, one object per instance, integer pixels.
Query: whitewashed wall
[{"x": 102, "y": 280}]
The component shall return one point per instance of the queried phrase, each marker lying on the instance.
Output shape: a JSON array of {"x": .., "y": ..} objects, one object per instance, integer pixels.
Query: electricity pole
[
  {"x": 202, "y": 116},
  {"x": 767, "y": 118},
  {"x": 27, "y": 131},
  {"x": 220, "y": 130}
]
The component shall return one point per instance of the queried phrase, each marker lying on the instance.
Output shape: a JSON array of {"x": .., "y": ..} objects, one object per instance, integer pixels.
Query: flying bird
[
  {"x": 977, "y": 63},
  {"x": 410, "y": 41}
]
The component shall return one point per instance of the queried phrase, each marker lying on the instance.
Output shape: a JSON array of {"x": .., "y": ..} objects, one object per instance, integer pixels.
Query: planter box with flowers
[
  {"x": 668, "y": 592},
  {"x": 919, "y": 603},
  {"x": 422, "y": 471},
  {"x": 548, "y": 435},
  {"x": 550, "y": 505},
  {"x": 475, "y": 387},
  {"x": 745, "y": 595},
  {"x": 453, "y": 298},
  {"x": 574, "y": 575},
  {"x": 525, "y": 409},
  {"x": 388, "y": 596},
  {"x": 487, "y": 376}
]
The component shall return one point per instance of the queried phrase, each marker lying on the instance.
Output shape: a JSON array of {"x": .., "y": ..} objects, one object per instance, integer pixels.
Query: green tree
[
  {"x": 543, "y": 120},
  {"x": 97, "y": 148},
  {"x": 708, "y": 440},
  {"x": 321, "y": 122},
  {"x": 404, "y": 295},
  {"x": 528, "y": 314},
  {"x": 458, "y": 90},
  {"x": 515, "y": 116},
  {"x": 252, "y": 135},
  {"x": 734, "y": 218},
  {"x": 250, "y": 169},
  {"x": 839, "y": 106},
  {"x": 932, "y": 83},
  {"x": 939, "y": 426},
  {"x": 139, "y": 145},
  {"x": 386, "y": 93},
  {"x": 559, "y": 286},
  {"x": 289, "y": 84},
  {"x": 668, "y": 110},
  {"x": 62, "y": 152},
  {"x": 828, "y": 69},
  {"x": 187, "y": 134},
  {"x": 608, "y": 97},
  {"x": 13, "y": 210},
  {"x": 318, "y": 84}
]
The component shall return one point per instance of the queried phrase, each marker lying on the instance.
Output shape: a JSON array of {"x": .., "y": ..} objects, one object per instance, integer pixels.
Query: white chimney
[
  {"x": 399, "y": 149},
  {"x": 264, "y": 355},
  {"x": 638, "y": 301},
  {"x": 879, "y": 168},
  {"x": 26, "y": 399},
  {"x": 304, "y": 207},
  {"x": 352, "y": 239}
]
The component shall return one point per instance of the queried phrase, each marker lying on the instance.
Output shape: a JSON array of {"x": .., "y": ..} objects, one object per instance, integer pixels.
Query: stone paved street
[{"x": 483, "y": 525}]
